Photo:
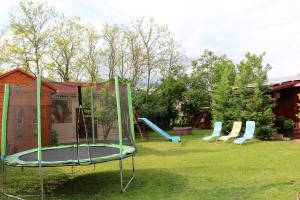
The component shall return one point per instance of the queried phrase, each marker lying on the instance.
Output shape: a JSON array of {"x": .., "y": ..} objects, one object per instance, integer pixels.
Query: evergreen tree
[
  {"x": 222, "y": 101},
  {"x": 261, "y": 106},
  {"x": 251, "y": 100}
]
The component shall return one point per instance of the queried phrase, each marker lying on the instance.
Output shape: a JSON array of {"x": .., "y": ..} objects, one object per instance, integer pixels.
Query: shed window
[
  {"x": 62, "y": 110},
  {"x": 20, "y": 122}
]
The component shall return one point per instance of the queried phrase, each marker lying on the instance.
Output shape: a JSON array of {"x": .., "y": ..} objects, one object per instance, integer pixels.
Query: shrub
[
  {"x": 263, "y": 133},
  {"x": 288, "y": 127},
  {"x": 279, "y": 123},
  {"x": 284, "y": 126}
]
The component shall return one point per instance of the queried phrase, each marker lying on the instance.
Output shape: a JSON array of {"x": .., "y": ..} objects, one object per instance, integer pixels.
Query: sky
[{"x": 230, "y": 27}]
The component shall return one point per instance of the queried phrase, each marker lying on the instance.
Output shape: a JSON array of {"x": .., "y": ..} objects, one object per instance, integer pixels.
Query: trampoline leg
[
  {"x": 123, "y": 189},
  {"x": 3, "y": 177},
  {"x": 41, "y": 180},
  {"x": 4, "y": 182}
]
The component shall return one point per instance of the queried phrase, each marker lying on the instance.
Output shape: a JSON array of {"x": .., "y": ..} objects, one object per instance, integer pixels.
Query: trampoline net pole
[
  {"x": 131, "y": 120},
  {"x": 39, "y": 84},
  {"x": 39, "y": 81},
  {"x": 4, "y": 121},
  {"x": 3, "y": 135},
  {"x": 92, "y": 114},
  {"x": 119, "y": 113}
]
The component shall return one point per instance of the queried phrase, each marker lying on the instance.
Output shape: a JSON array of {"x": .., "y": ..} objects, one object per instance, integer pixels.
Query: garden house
[
  {"x": 26, "y": 118},
  {"x": 285, "y": 91}
]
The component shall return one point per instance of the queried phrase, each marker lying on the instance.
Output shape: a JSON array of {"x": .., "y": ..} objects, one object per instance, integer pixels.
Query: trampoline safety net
[
  {"x": 91, "y": 124},
  {"x": 81, "y": 125}
]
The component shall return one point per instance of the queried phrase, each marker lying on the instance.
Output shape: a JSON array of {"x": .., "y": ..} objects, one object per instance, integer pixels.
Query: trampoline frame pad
[{"x": 14, "y": 159}]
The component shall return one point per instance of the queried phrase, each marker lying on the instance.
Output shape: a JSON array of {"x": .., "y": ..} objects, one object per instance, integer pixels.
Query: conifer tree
[
  {"x": 261, "y": 108},
  {"x": 251, "y": 100},
  {"x": 222, "y": 101}
]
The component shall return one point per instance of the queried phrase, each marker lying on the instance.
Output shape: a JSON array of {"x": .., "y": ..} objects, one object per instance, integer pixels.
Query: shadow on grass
[
  {"x": 106, "y": 185},
  {"x": 155, "y": 183}
]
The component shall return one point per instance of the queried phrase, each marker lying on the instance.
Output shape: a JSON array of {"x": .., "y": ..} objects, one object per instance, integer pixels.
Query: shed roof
[
  {"x": 71, "y": 88},
  {"x": 28, "y": 74},
  {"x": 279, "y": 80},
  {"x": 285, "y": 85}
]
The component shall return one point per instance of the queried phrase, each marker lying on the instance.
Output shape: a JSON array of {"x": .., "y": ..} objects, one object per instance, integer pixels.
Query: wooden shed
[
  {"x": 18, "y": 78},
  {"x": 286, "y": 93}
]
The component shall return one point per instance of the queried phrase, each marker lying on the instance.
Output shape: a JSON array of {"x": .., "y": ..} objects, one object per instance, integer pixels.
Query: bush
[
  {"x": 263, "y": 133},
  {"x": 288, "y": 127},
  {"x": 284, "y": 126},
  {"x": 279, "y": 123}
]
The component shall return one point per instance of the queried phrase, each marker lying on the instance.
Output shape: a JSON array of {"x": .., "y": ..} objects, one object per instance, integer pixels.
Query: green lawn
[{"x": 192, "y": 169}]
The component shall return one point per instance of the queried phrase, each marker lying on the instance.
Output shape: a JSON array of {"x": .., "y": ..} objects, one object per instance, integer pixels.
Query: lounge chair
[
  {"x": 216, "y": 131},
  {"x": 249, "y": 132},
  {"x": 235, "y": 131}
]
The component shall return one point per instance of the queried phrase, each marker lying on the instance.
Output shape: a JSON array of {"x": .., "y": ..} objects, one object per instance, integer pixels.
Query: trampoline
[
  {"x": 97, "y": 121},
  {"x": 67, "y": 155}
]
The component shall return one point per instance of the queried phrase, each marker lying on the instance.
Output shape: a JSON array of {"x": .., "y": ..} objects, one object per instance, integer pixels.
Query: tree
[
  {"x": 152, "y": 36},
  {"x": 106, "y": 112},
  {"x": 209, "y": 68},
  {"x": 205, "y": 77},
  {"x": 135, "y": 57},
  {"x": 111, "y": 40},
  {"x": 29, "y": 36},
  {"x": 122, "y": 67},
  {"x": 173, "y": 66},
  {"x": 196, "y": 96},
  {"x": 222, "y": 101},
  {"x": 261, "y": 107},
  {"x": 65, "y": 52},
  {"x": 163, "y": 103},
  {"x": 91, "y": 53},
  {"x": 254, "y": 104}
]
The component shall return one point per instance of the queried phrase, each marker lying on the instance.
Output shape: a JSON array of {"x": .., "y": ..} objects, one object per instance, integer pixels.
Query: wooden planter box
[{"x": 183, "y": 130}]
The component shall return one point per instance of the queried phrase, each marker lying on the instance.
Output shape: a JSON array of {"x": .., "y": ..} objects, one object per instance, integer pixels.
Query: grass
[{"x": 193, "y": 169}]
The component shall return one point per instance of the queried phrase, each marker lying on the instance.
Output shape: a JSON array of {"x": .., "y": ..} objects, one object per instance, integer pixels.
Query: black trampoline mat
[{"x": 70, "y": 153}]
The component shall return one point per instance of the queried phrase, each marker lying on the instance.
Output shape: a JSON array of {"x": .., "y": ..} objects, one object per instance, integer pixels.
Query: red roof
[
  {"x": 30, "y": 75},
  {"x": 69, "y": 88},
  {"x": 285, "y": 85},
  {"x": 61, "y": 88}
]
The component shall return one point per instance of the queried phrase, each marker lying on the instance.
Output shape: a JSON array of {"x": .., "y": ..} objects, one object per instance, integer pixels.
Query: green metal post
[
  {"x": 38, "y": 98},
  {"x": 4, "y": 121},
  {"x": 130, "y": 111},
  {"x": 119, "y": 112},
  {"x": 92, "y": 113}
]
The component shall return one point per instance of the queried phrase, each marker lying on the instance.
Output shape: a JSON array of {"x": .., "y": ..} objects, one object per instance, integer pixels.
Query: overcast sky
[{"x": 230, "y": 27}]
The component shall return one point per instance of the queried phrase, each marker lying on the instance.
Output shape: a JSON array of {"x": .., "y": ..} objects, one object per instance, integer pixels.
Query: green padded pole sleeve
[
  {"x": 38, "y": 99},
  {"x": 4, "y": 121},
  {"x": 119, "y": 113},
  {"x": 92, "y": 113},
  {"x": 130, "y": 111}
]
